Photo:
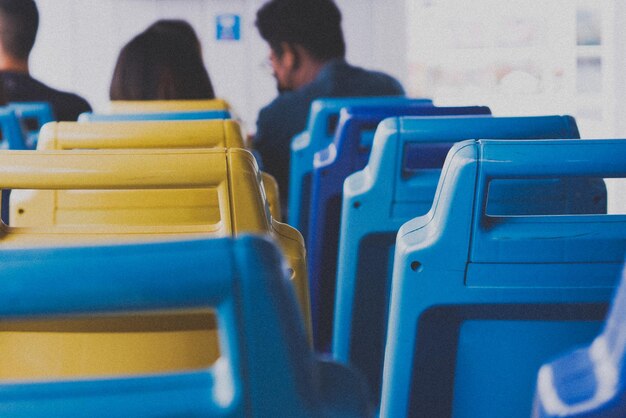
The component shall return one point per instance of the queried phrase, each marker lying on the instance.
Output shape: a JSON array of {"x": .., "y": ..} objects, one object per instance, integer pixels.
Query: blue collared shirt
[{"x": 286, "y": 116}]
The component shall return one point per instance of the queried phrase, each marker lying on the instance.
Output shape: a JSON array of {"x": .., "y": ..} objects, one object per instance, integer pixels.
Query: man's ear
[{"x": 290, "y": 56}]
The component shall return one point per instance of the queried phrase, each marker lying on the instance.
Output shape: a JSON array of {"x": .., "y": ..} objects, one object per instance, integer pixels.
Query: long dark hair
[{"x": 162, "y": 63}]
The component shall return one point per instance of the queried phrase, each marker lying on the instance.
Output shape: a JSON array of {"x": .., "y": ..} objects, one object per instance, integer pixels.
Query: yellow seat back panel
[{"x": 238, "y": 204}]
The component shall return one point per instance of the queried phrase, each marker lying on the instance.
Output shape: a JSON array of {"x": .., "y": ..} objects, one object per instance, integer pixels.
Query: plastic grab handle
[
  {"x": 126, "y": 169},
  {"x": 527, "y": 159}
]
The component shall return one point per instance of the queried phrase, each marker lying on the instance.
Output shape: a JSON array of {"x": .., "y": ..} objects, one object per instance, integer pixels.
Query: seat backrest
[
  {"x": 233, "y": 202},
  {"x": 12, "y": 137},
  {"x": 230, "y": 175},
  {"x": 141, "y": 134},
  {"x": 151, "y": 134},
  {"x": 398, "y": 184},
  {"x": 32, "y": 115},
  {"x": 265, "y": 368},
  {"x": 159, "y": 106},
  {"x": 480, "y": 301},
  {"x": 320, "y": 220},
  {"x": 319, "y": 133},
  {"x": 590, "y": 381},
  {"x": 182, "y": 115}
]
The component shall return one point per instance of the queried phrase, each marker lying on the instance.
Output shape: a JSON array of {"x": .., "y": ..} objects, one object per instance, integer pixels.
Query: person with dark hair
[
  {"x": 19, "y": 21},
  {"x": 307, "y": 56},
  {"x": 162, "y": 63}
]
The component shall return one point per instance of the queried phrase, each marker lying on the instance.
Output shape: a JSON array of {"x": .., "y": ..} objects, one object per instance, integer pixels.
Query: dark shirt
[
  {"x": 21, "y": 87},
  {"x": 287, "y": 115}
]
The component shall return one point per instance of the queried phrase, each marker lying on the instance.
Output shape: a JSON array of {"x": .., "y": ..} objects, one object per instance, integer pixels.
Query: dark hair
[
  {"x": 313, "y": 24},
  {"x": 19, "y": 20},
  {"x": 178, "y": 28},
  {"x": 162, "y": 63}
]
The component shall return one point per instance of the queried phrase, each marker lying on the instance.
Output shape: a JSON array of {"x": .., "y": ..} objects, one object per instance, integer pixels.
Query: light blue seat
[
  {"x": 266, "y": 367},
  {"x": 319, "y": 133},
  {"x": 12, "y": 138},
  {"x": 11, "y": 131},
  {"x": 187, "y": 115},
  {"x": 398, "y": 184},
  {"x": 348, "y": 153},
  {"x": 32, "y": 115},
  {"x": 480, "y": 301},
  {"x": 589, "y": 382}
]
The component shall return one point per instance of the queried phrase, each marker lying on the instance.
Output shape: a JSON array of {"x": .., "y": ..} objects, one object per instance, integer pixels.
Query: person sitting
[
  {"x": 164, "y": 62},
  {"x": 307, "y": 56},
  {"x": 19, "y": 21}
]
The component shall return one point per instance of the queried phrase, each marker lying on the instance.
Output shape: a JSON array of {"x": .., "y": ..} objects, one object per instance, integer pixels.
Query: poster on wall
[{"x": 228, "y": 27}]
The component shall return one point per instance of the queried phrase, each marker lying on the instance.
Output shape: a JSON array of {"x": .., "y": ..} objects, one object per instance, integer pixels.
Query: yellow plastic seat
[
  {"x": 147, "y": 106},
  {"x": 160, "y": 342},
  {"x": 122, "y": 135}
]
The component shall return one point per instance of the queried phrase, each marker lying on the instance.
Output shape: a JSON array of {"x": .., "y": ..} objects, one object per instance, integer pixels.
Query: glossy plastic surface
[
  {"x": 11, "y": 130},
  {"x": 469, "y": 327},
  {"x": 589, "y": 382},
  {"x": 146, "y": 134},
  {"x": 148, "y": 106},
  {"x": 398, "y": 184},
  {"x": 348, "y": 153},
  {"x": 33, "y": 116},
  {"x": 265, "y": 369},
  {"x": 182, "y": 115},
  {"x": 239, "y": 207},
  {"x": 319, "y": 134}
]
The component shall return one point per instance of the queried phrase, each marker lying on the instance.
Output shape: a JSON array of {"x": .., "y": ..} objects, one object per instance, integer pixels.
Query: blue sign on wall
[{"x": 228, "y": 27}]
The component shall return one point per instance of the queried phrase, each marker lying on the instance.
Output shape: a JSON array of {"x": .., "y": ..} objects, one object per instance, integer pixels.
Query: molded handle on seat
[
  {"x": 113, "y": 169},
  {"x": 544, "y": 158},
  {"x": 147, "y": 106},
  {"x": 323, "y": 109},
  {"x": 191, "y": 115},
  {"x": 33, "y": 275},
  {"x": 141, "y": 134}
]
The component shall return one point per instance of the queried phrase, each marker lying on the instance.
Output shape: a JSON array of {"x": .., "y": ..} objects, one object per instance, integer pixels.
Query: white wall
[
  {"x": 79, "y": 40},
  {"x": 619, "y": 66}
]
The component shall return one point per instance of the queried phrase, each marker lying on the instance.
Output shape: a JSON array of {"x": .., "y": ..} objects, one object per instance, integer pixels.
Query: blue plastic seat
[
  {"x": 119, "y": 117},
  {"x": 32, "y": 115},
  {"x": 398, "y": 184},
  {"x": 11, "y": 131},
  {"x": 266, "y": 367},
  {"x": 348, "y": 153},
  {"x": 480, "y": 301},
  {"x": 589, "y": 382},
  {"x": 12, "y": 138},
  {"x": 319, "y": 133}
]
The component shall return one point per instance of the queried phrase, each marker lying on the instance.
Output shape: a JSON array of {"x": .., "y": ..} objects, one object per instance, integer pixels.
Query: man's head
[
  {"x": 19, "y": 20},
  {"x": 300, "y": 33}
]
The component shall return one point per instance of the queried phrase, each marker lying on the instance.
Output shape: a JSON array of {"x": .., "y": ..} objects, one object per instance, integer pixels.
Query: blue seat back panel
[
  {"x": 32, "y": 115},
  {"x": 322, "y": 217},
  {"x": 401, "y": 166},
  {"x": 468, "y": 364},
  {"x": 455, "y": 257},
  {"x": 589, "y": 381},
  {"x": 265, "y": 369}
]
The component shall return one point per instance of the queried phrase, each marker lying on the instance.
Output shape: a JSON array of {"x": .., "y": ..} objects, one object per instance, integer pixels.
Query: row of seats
[
  {"x": 122, "y": 222},
  {"x": 478, "y": 352},
  {"x": 452, "y": 276}
]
